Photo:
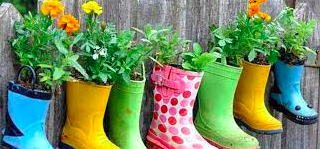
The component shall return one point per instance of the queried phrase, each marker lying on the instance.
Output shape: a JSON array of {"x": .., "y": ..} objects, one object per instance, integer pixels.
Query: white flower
[
  {"x": 95, "y": 56},
  {"x": 103, "y": 52}
]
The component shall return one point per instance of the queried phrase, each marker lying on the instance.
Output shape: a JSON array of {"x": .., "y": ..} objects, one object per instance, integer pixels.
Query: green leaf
[
  {"x": 58, "y": 73},
  {"x": 60, "y": 46},
  {"x": 252, "y": 55},
  {"x": 186, "y": 66},
  {"x": 74, "y": 63},
  {"x": 77, "y": 39},
  {"x": 197, "y": 49},
  {"x": 222, "y": 43},
  {"x": 104, "y": 77}
]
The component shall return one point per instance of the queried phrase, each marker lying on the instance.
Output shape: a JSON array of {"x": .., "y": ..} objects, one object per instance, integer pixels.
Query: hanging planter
[
  {"x": 26, "y": 115},
  {"x": 249, "y": 108},
  {"x": 286, "y": 94},
  {"x": 215, "y": 120},
  {"x": 124, "y": 113},
  {"x": 86, "y": 104}
]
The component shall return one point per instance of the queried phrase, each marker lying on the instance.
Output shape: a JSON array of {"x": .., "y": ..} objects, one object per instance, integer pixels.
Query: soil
[
  {"x": 290, "y": 58},
  {"x": 260, "y": 60},
  {"x": 137, "y": 77}
]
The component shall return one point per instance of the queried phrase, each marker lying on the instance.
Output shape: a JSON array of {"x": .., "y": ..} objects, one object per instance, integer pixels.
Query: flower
[
  {"x": 103, "y": 52},
  {"x": 52, "y": 7},
  {"x": 69, "y": 23},
  {"x": 95, "y": 56},
  {"x": 92, "y": 6},
  {"x": 264, "y": 16},
  {"x": 254, "y": 8}
]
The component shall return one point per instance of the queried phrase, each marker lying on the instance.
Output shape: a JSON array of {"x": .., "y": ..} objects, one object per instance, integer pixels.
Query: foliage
[
  {"x": 294, "y": 33},
  {"x": 108, "y": 54},
  {"x": 165, "y": 42},
  {"x": 197, "y": 60},
  {"x": 248, "y": 37},
  {"x": 169, "y": 47},
  {"x": 38, "y": 45}
]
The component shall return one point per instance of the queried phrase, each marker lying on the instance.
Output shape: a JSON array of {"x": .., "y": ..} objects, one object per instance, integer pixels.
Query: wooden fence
[{"x": 192, "y": 19}]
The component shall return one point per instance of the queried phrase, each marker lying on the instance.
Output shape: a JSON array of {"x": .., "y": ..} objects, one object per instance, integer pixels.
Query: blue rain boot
[
  {"x": 286, "y": 96},
  {"x": 26, "y": 116}
]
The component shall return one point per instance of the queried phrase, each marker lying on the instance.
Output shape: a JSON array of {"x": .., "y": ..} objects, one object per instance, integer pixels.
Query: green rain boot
[
  {"x": 215, "y": 120},
  {"x": 124, "y": 109}
]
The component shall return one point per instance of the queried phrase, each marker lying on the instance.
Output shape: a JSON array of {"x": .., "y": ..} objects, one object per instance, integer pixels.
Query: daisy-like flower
[
  {"x": 95, "y": 56},
  {"x": 92, "y": 6},
  {"x": 52, "y": 7},
  {"x": 264, "y": 16},
  {"x": 254, "y": 8},
  {"x": 103, "y": 52},
  {"x": 69, "y": 23}
]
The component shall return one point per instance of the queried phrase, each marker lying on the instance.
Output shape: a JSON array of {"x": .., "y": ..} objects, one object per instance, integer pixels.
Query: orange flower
[
  {"x": 254, "y": 8},
  {"x": 264, "y": 16},
  {"x": 52, "y": 7},
  {"x": 69, "y": 23},
  {"x": 257, "y": 1}
]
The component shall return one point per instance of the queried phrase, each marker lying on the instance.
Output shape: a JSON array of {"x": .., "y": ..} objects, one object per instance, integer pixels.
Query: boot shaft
[
  {"x": 288, "y": 77},
  {"x": 217, "y": 88},
  {"x": 26, "y": 107},
  {"x": 252, "y": 85}
]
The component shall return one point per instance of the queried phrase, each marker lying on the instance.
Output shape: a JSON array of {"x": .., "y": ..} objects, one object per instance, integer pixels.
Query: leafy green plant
[
  {"x": 165, "y": 42},
  {"x": 250, "y": 38},
  {"x": 38, "y": 45},
  {"x": 197, "y": 60},
  {"x": 107, "y": 54},
  {"x": 169, "y": 47},
  {"x": 294, "y": 34}
]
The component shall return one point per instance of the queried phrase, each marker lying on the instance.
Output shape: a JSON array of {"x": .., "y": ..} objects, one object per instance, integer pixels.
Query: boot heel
[
  {"x": 65, "y": 146},
  {"x": 151, "y": 145}
]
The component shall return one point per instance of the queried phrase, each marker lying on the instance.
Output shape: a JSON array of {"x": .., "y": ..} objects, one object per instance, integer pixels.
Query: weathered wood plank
[{"x": 8, "y": 15}]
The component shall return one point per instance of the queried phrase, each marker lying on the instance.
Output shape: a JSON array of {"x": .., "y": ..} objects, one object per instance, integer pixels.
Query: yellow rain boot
[
  {"x": 249, "y": 108},
  {"x": 86, "y": 105}
]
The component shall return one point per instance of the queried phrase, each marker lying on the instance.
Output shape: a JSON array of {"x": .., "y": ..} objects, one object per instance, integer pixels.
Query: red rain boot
[{"x": 172, "y": 127}]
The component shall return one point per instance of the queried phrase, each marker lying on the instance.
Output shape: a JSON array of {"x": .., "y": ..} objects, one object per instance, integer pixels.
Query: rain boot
[
  {"x": 172, "y": 127},
  {"x": 249, "y": 108},
  {"x": 26, "y": 116},
  {"x": 86, "y": 105},
  {"x": 215, "y": 120},
  {"x": 124, "y": 113},
  {"x": 286, "y": 95}
]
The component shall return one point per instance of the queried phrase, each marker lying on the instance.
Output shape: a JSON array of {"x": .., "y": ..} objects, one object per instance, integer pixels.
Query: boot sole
[
  {"x": 265, "y": 132},
  {"x": 8, "y": 146},
  {"x": 295, "y": 118}
]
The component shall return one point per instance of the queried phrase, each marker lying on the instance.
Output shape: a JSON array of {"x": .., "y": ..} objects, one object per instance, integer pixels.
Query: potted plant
[
  {"x": 258, "y": 36},
  {"x": 108, "y": 56},
  {"x": 175, "y": 87},
  {"x": 44, "y": 52},
  {"x": 127, "y": 92},
  {"x": 286, "y": 95},
  {"x": 215, "y": 119}
]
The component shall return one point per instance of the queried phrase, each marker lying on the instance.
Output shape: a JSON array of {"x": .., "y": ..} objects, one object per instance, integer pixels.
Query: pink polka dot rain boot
[{"x": 172, "y": 127}]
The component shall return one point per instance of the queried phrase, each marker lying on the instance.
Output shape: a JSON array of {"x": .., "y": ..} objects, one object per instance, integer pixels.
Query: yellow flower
[
  {"x": 254, "y": 8},
  {"x": 52, "y": 7},
  {"x": 92, "y": 6},
  {"x": 69, "y": 23},
  {"x": 264, "y": 16}
]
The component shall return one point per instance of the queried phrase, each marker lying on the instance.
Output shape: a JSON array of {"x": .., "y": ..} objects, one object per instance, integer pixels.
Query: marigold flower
[
  {"x": 254, "y": 8},
  {"x": 69, "y": 23},
  {"x": 52, "y": 7},
  {"x": 264, "y": 16},
  {"x": 92, "y": 6}
]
